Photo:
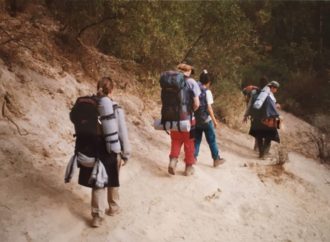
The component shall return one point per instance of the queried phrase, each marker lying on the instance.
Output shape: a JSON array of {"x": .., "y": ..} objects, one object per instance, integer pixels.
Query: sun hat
[
  {"x": 186, "y": 65},
  {"x": 274, "y": 84}
]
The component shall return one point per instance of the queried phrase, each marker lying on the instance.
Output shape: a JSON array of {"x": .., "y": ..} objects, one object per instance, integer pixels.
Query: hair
[
  {"x": 263, "y": 81},
  {"x": 104, "y": 86},
  {"x": 184, "y": 67},
  {"x": 205, "y": 77}
]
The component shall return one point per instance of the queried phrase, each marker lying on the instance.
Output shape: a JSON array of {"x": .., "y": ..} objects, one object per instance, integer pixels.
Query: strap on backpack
[
  {"x": 110, "y": 116},
  {"x": 164, "y": 126},
  {"x": 178, "y": 122}
]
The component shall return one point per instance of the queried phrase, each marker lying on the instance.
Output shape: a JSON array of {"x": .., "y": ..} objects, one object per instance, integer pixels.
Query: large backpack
[
  {"x": 202, "y": 114},
  {"x": 248, "y": 92},
  {"x": 255, "y": 113},
  {"x": 84, "y": 115},
  {"x": 176, "y": 98}
]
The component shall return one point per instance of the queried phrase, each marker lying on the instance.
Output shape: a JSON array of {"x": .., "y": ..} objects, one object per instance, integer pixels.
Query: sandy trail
[{"x": 242, "y": 200}]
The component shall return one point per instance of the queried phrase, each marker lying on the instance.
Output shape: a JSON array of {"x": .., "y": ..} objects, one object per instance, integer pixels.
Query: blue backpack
[{"x": 176, "y": 97}]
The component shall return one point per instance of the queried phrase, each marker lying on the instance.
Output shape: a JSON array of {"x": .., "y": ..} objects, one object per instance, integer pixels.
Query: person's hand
[
  {"x": 215, "y": 123},
  {"x": 124, "y": 162},
  {"x": 278, "y": 105}
]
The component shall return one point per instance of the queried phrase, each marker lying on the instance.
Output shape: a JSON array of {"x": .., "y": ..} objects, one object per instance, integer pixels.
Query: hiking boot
[
  {"x": 262, "y": 156},
  {"x": 113, "y": 210},
  {"x": 189, "y": 170},
  {"x": 172, "y": 166},
  {"x": 96, "y": 222},
  {"x": 218, "y": 161},
  {"x": 267, "y": 149}
]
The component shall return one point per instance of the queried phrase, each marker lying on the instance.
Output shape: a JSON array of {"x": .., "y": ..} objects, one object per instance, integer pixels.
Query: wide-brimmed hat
[
  {"x": 186, "y": 65},
  {"x": 274, "y": 84}
]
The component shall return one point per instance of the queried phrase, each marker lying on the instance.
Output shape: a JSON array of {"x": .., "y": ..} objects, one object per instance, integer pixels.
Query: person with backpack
[
  {"x": 102, "y": 146},
  {"x": 179, "y": 103},
  {"x": 265, "y": 118},
  {"x": 251, "y": 93},
  {"x": 205, "y": 120}
]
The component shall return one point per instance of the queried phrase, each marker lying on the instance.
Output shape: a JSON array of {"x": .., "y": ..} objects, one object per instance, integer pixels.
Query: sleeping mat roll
[
  {"x": 109, "y": 125},
  {"x": 185, "y": 125}
]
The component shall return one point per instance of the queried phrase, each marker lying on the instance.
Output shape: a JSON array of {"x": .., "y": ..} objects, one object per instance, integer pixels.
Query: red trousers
[{"x": 179, "y": 138}]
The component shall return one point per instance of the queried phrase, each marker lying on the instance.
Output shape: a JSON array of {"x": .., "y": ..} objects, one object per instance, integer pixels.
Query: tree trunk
[{"x": 321, "y": 28}]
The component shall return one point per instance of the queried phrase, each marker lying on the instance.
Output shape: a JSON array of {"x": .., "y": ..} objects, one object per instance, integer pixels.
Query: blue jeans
[{"x": 209, "y": 131}]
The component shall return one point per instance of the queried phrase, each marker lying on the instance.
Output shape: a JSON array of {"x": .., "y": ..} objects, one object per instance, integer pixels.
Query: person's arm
[
  {"x": 196, "y": 91},
  {"x": 123, "y": 135},
  {"x": 210, "y": 110},
  {"x": 248, "y": 107},
  {"x": 196, "y": 103},
  {"x": 210, "y": 101}
]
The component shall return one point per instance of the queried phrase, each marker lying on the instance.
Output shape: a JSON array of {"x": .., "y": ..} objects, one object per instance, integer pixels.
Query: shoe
[
  {"x": 172, "y": 166},
  {"x": 218, "y": 161},
  {"x": 96, "y": 222},
  {"x": 261, "y": 155},
  {"x": 114, "y": 210},
  {"x": 189, "y": 170}
]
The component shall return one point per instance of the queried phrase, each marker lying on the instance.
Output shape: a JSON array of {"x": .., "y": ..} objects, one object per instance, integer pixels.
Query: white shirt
[
  {"x": 209, "y": 101},
  {"x": 209, "y": 97}
]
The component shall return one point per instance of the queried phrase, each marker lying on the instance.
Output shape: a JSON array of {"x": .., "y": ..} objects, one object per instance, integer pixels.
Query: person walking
[
  {"x": 179, "y": 138},
  {"x": 99, "y": 165},
  {"x": 205, "y": 120},
  {"x": 251, "y": 93},
  {"x": 264, "y": 118}
]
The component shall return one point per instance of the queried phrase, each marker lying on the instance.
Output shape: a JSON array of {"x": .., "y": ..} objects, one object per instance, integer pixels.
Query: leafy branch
[{"x": 99, "y": 22}]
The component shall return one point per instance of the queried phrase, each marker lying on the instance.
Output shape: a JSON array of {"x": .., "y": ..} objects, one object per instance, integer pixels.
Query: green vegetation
[{"x": 239, "y": 41}]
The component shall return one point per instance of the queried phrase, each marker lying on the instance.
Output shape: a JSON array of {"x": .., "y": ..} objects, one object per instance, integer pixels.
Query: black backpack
[
  {"x": 84, "y": 115},
  {"x": 202, "y": 113},
  {"x": 176, "y": 97}
]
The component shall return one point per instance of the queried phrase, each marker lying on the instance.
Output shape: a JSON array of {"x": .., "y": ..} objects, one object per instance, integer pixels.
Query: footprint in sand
[{"x": 214, "y": 195}]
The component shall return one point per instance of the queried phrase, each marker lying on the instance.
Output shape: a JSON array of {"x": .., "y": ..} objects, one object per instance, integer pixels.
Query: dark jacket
[{"x": 110, "y": 163}]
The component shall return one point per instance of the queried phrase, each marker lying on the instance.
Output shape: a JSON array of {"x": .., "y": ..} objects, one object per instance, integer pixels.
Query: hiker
[
  {"x": 181, "y": 137},
  {"x": 205, "y": 120},
  {"x": 250, "y": 93},
  {"x": 105, "y": 156},
  {"x": 265, "y": 118}
]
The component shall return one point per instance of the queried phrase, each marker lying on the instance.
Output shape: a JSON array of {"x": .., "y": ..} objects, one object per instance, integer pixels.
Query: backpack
[
  {"x": 247, "y": 92},
  {"x": 254, "y": 113},
  {"x": 84, "y": 116},
  {"x": 202, "y": 114},
  {"x": 176, "y": 98}
]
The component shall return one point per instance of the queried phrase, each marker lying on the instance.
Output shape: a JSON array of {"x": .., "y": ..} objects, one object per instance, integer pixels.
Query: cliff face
[{"x": 245, "y": 199}]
